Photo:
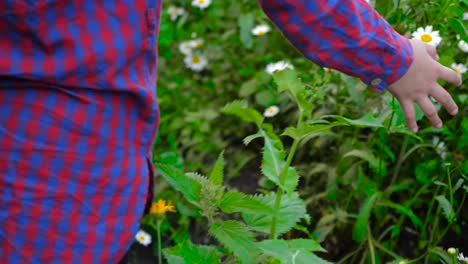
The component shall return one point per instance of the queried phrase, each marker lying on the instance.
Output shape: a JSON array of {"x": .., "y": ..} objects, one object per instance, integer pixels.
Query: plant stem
[
  {"x": 282, "y": 179},
  {"x": 400, "y": 160},
  {"x": 371, "y": 246},
  {"x": 158, "y": 225}
]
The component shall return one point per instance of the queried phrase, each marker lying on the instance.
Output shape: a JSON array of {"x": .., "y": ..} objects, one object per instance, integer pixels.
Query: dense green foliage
[{"x": 335, "y": 175}]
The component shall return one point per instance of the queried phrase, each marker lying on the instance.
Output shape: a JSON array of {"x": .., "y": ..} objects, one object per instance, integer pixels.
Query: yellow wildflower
[{"x": 160, "y": 207}]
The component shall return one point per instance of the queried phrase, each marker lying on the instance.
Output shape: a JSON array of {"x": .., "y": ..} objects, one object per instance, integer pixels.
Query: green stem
[
  {"x": 158, "y": 225},
  {"x": 400, "y": 160},
  {"x": 450, "y": 187},
  {"x": 283, "y": 179},
  {"x": 371, "y": 246}
]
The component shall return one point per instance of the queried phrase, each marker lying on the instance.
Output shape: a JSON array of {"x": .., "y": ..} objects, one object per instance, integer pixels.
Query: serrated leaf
[
  {"x": 216, "y": 176},
  {"x": 236, "y": 237},
  {"x": 360, "y": 227},
  {"x": 240, "y": 109},
  {"x": 187, "y": 252},
  {"x": 180, "y": 182},
  {"x": 306, "y": 244},
  {"x": 232, "y": 202},
  {"x": 307, "y": 130},
  {"x": 366, "y": 121},
  {"x": 273, "y": 162},
  {"x": 281, "y": 250},
  {"x": 292, "y": 210},
  {"x": 287, "y": 80},
  {"x": 446, "y": 208}
]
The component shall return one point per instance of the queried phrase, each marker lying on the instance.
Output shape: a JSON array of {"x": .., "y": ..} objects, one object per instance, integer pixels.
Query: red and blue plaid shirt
[{"x": 78, "y": 111}]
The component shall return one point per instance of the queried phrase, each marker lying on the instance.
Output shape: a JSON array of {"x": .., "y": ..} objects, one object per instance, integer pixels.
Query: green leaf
[
  {"x": 236, "y": 237},
  {"x": 187, "y": 252},
  {"x": 292, "y": 210},
  {"x": 287, "y": 80},
  {"x": 249, "y": 139},
  {"x": 365, "y": 155},
  {"x": 216, "y": 176},
  {"x": 190, "y": 188},
  {"x": 307, "y": 130},
  {"x": 443, "y": 254},
  {"x": 366, "y": 121},
  {"x": 446, "y": 208},
  {"x": 404, "y": 210},
  {"x": 246, "y": 22},
  {"x": 307, "y": 244},
  {"x": 273, "y": 163},
  {"x": 282, "y": 251},
  {"x": 360, "y": 227},
  {"x": 232, "y": 202},
  {"x": 458, "y": 27},
  {"x": 240, "y": 109}
]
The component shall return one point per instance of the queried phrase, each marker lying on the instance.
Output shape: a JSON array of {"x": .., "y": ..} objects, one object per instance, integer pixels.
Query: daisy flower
[
  {"x": 185, "y": 47},
  {"x": 427, "y": 35},
  {"x": 143, "y": 238},
  {"x": 260, "y": 30},
  {"x": 462, "y": 258},
  {"x": 271, "y": 111},
  {"x": 202, "y": 4},
  {"x": 174, "y": 12},
  {"x": 196, "y": 43},
  {"x": 160, "y": 207},
  {"x": 278, "y": 66},
  {"x": 196, "y": 62},
  {"x": 458, "y": 68},
  {"x": 465, "y": 16},
  {"x": 463, "y": 46}
]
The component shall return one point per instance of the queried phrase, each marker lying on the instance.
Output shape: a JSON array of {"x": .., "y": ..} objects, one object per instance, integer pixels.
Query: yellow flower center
[
  {"x": 201, "y": 1},
  {"x": 197, "y": 44},
  {"x": 173, "y": 12},
  {"x": 196, "y": 59},
  {"x": 426, "y": 38},
  {"x": 271, "y": 111},
  {"x": 457, "y": 70},
  {"x": 142, "y": 238}
]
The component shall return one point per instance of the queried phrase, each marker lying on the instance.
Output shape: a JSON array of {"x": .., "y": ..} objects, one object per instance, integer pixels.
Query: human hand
[{"x": 420, "y": 82}]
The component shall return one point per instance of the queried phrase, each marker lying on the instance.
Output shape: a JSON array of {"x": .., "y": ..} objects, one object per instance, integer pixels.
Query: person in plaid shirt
[{"x": 78, "y": 110}]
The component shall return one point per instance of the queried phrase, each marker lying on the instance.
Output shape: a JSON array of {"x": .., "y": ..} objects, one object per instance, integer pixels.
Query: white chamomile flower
[
  {"x": 174, "y": 12},
  {"x": 458, "y": 68},
  {"x": 452, "y": 251},
  {"x": 185, "y": 47},
  {"x": 278, "y": 66},
  {"x": 427, "y": 35},
  {"x": 271, "y": 111},
  {"x": 143, "y": 238},
  {"x": 196, "y": 62},
  {"x": 202, "y": 4},
  {"x": 463, "y": 45},
  {"x": 465, "y": 16},
  {"x": 196, "y": 43},
  {"x": 462, "y": 258},
  {"x": 260, "y": 30}
]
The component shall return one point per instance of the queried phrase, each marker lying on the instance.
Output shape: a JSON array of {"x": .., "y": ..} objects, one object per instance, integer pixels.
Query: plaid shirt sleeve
[{"x": 349, "y": 36}]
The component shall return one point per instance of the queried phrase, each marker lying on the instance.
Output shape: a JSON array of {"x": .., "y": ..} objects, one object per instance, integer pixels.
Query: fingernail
[
  {"x": 414, "y": 130},
  {"x": 438, "y": 125},
  {"x": 454, "y": 111}
]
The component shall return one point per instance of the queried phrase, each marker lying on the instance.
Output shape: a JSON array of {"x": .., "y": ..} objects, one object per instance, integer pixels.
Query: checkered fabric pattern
[
  {"x": 349, "y": 36},
  {"x": 78, "y": 112}
]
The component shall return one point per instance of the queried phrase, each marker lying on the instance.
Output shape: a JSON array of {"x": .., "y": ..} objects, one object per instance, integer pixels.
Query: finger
[
  {"x": 444, "y": 98},
  {"x": 449, "y": 75},
  {"x": 410, "y": 116},
  {"x": 432, "y": 52},
  {"x": 430, "y": 111}
]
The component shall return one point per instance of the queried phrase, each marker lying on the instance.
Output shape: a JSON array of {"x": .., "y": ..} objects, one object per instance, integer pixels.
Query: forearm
[{"x": 349, "y": 36}]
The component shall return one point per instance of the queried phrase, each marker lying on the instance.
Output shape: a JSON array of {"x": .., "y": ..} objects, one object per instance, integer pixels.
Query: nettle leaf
[
  {"x": 446, "y": 207},
  {"x": 306, "y": 244},
  {"x": 287, "y": 80},
  {"x": 273, "y": 163},
  {"x": 190, "y": 188},
  {"x": 249, "y": 139},
  {"x": 307, "y": 130},
  {"x": 236, "y": 237},
  {"x": 232, "y": 202},
  {"x": 282, "y": 251},
  {"x": 187, "y": 252},
  {"x": 240, "y": 109},
  {"x": 360, "y": 227},
  {"x": 292, "y": 210},
  {"x": 366, "y": 121},
  {"x": 216, "y": 176}
]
